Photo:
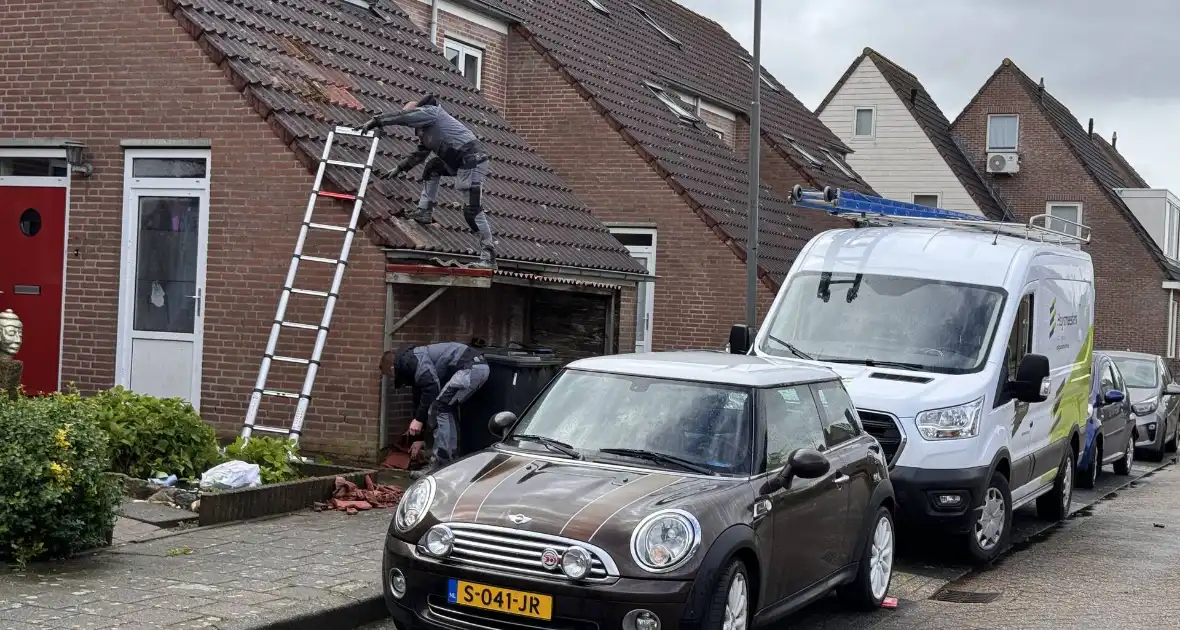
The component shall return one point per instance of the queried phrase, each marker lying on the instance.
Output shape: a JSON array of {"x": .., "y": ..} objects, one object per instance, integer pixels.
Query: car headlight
[
  {"x": 951, "y": 423},
  {"x": 1145, "y": 407},
  {"x": 414, "y": 505},
  {"x": 439, "y": 541},
  {"x": 665, "y": 540}
]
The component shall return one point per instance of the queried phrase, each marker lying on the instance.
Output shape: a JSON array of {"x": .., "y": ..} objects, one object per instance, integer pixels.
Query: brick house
[
  {"x": 642, "y": 107},
  {"x": 158, "y": 256},
  {"x": 1055, "y": 166},
  {"x": 902, "y": 141}
]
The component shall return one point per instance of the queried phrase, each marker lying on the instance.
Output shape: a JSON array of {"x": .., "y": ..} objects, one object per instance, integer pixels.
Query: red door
[{"x": 32, "y": 249}]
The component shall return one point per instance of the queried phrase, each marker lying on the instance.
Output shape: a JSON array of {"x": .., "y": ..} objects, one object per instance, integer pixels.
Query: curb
[{"x": 351, "y": 614}]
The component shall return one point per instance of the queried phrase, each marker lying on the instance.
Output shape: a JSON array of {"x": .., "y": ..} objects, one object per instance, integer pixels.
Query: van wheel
[
  {"x": 730, "y": 604},
  {"x": 1089, "y": 477},
  {"x": 868, "y": 590},
  {"x": 1054, "y": 506},
  {"x": 1123, "y": 466},
  {"x": 993, "y": 521}
]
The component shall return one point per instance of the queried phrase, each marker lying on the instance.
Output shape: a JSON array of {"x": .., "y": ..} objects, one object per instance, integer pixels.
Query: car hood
[
  {"x": 581, "y": 501},
  {"x": 1140, "y": 394}
]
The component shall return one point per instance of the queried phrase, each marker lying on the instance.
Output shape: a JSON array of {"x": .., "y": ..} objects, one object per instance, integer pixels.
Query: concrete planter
[{"x": 318, "y": 483}]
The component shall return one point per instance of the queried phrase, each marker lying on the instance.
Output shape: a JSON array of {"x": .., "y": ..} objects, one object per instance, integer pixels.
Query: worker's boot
[
  {"x": 487, "y": 259},
  {"x": 425, "y": 216}
]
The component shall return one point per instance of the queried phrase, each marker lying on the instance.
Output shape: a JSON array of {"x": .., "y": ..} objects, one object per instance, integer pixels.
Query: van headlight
[
  {"x": 1145, "y": 407},
  {"x": 951, "y": 423},
  {"x": 665, "y": 540},
  {"x": 415, "y": 504}
]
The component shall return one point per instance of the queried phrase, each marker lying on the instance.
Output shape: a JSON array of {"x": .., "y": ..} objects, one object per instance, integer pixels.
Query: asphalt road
[{"x": 1113, "y": 564}]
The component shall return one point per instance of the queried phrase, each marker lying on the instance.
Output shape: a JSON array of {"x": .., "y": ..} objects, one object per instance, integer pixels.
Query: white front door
[
  {"x": 641, "y": 243},
  {"x": 162, "y": 288}
]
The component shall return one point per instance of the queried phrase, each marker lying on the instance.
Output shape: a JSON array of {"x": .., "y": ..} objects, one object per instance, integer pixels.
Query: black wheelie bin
[{"x": 515, "y": 378}]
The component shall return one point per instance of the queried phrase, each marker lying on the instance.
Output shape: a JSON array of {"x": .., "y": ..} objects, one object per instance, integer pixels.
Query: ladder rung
[
  {"x": 310, "y": 292},
  {"x": 326, "y": 261},
  {"x": 299, "y": 326},
  {"x": 290, "y": 360},
  {"x": 324, "y": 226},
  {"x": 279, "y": 393},
  {"x": 345, "y": 164},
  {"x": 336, "y": 195},
  {"x": 275, "y": 430}
]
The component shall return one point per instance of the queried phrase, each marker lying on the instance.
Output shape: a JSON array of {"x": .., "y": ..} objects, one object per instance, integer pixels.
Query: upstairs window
[
  {"x": 1069, "y": 214},
  {"x": 930, "y": 200},
  {"x": 862, "y": 126},
  {"x": 466, "y": 58},
  {"x": 1003, "y": 132},
  {"x": 672, "y": 102},
  {"x": 663, "y": 31}
]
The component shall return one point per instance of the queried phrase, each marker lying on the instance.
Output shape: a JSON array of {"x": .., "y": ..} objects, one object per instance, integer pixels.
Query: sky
[{"x": 1117, "y": 61}]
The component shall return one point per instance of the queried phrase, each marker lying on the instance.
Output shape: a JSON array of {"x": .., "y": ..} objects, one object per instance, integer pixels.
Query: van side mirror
[
  {"x": 1032, "y": 382},
  {"x": 804, "y": 463},
  {"x": 501, "y": 422},
  {"x": 1172, "y": 389},
  {"x": 739, "y": 339},
  {"x": 1113, "y": 396}
]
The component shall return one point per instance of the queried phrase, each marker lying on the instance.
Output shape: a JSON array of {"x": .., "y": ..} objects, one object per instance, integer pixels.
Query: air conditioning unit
[{"x": 1003, "y": 163}]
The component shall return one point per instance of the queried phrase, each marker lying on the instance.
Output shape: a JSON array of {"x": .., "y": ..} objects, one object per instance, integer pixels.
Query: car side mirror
[
  {"x": 739, "y": 339},
  {"x": 1113, "y": 396},
  {"x": 1172, "y": 389},
  {"x": 501, "y": 422},
  {"x": 804, "y": 463},
  {"x": 1032, "y": 382}
]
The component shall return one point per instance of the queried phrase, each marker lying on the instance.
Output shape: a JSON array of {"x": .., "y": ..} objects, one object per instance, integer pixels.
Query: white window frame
[
  {"x": 990, "y": 148},
  {"x": 49, "y": 182},
  {"x": 839, "y": 164},
  {"x": 648, "y": 251},
  {"x": 1069, "y": 228},
  {"x": 937, "y": 198},
  {"x": 672, "y": 103},
  {"x": 872, "y": 127},
  {"x": 803, "y": 152},
  {"x": 199, "y": 187},
  {"x": 762, "y": 73},
  {"x": 650, "y": 20},
  {"x": 598, "y": 7},
  {"x": 466, "y": 49}
]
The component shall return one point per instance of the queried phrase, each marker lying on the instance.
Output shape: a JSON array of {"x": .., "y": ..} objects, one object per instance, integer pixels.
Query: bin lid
[{"x": 523, "y": 360}]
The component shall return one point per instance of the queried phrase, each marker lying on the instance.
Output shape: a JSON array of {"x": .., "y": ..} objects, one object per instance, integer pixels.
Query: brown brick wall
[
  {"x": 701, "y": 286},
  {"x": 724, "y": 125},
  {"x": 1132, "y": 311},
  {"x": 493, "y": 83},
  {"x": 101, "y": 72}
]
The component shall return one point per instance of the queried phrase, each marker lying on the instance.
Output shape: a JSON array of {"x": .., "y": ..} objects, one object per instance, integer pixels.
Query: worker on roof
[
  {"x": 443, "y": 376},
  {"x": 456, "y": 152}
]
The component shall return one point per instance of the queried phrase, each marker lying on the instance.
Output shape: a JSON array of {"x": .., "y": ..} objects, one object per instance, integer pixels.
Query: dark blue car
[{"x": 1110, "y": 428}]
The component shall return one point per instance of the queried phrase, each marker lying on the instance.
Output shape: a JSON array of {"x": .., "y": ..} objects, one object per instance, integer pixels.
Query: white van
[{"x": 967, "y": 353}]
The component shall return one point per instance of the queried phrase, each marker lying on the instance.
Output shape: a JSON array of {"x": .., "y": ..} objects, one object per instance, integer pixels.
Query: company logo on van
[{"x": 1056, "y": 319}]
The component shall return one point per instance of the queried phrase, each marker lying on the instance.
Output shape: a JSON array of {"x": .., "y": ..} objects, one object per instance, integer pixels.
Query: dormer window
[
  {"x": 673, "y": 102},
  {"x": 663, "y": 31},
  {"x": 598, "y": 7},
  {"x": 839, "y": 164},
  {"x": 766, "y": 80}
]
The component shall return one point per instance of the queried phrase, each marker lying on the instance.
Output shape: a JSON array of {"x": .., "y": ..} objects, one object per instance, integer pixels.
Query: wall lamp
[{"x": 75, "y": 156}]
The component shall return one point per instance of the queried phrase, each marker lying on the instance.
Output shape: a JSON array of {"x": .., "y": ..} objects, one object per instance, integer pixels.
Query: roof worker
[
  {"x": 443, "y": 376},
  {"x": 457, "y": 152}
]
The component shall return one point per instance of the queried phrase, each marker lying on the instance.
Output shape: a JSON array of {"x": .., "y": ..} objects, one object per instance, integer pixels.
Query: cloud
[{"x": 1117, "y": 61}]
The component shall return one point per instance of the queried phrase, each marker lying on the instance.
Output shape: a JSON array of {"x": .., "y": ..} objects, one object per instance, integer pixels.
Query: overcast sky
[{"x": 1117, "y": 61}]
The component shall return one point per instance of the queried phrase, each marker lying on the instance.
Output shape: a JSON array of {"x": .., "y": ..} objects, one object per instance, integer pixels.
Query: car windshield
[
  {"x": 1139, "y": 373},
  {"x": 889, "y": 320},
  {"x": 705, "y": 426}
]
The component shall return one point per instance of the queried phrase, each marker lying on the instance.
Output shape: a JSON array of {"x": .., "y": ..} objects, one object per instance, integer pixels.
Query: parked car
[
  {"x": 650, "y": 490},
  {"x": 1110, "y": 425},
  {"x": 1155, "y": 401}
]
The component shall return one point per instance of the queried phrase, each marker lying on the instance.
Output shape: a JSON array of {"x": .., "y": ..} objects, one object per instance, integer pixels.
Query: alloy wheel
[
  {"x": 1130, "y": 455},
  {"x": 990, "y": 526},
  {"x": 736, "y": 604},
  {"x": 1067, "y": 486},
  {"x": 881, "y": 558}
]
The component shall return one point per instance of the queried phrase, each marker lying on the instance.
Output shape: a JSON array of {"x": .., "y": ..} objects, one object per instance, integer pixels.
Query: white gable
[{"x": 898, "y": 160}]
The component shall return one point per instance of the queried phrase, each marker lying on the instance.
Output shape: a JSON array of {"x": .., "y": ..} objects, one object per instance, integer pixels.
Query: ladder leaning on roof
[
  {"x": 303, "y": 397},
  {"x": 878, "y": 211}
]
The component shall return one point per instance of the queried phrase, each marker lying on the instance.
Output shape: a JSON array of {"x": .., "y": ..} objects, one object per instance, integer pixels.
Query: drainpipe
[{"x": 434, "y": 22}]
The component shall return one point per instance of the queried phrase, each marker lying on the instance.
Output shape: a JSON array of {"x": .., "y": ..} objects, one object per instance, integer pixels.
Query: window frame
[
  {"x": 598, "y": 6},
  {"x": 857, "y": 427},
  {"x": 465, "y": 49},
  {"x": 1011, "y": 365},
  {"x": 839, "y": 164},
  {"x": 803, "y": 152},
  {"x": 988, "y": 140},
  {"x": 872, "y": 109},
  {"x": 762, "y": 425},
  {"x": 1073, "y": 230},
  {"x": 937, "y": 198},
  {"x": 762, "y": 74},
  {"x": 656, "y": 25},
  {"x": 672, "y": 102}
]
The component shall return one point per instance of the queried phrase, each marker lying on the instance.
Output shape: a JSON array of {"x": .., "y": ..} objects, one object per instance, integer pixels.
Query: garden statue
[{"x": 11, "y": 334}]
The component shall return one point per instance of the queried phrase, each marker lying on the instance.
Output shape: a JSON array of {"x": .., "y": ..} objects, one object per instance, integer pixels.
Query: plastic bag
[{"x": 230, "y": 475}]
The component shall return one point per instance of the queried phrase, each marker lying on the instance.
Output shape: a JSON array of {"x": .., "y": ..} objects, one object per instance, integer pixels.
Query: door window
[
  {"x": 840, "y": 421},
  {"x": 166, "y": 264},
  {"x": 792, "y": 422},
  {"x": 1020, "y": 340},
  {"x": 1107, "y": 380}
]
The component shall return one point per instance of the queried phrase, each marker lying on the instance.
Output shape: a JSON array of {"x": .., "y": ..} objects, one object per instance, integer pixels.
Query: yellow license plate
[{"x": 501, "y": 600}]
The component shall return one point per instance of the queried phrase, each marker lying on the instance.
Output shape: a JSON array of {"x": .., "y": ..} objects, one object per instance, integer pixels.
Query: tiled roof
[
  {"x": 934, "y": 123},
  {"x": 609, "y": 58},
  {"x": 309, "y": 65},
  {"x": 1092, "y": 157},
  {"x": 1131, "y": 178}
]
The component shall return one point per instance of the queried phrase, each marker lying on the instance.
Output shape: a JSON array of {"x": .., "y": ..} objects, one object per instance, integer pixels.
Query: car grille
[
  {"x": 520, "y": 551},
  {"x": 884, "y": 427},
  {"x": 452, "y": 616}
]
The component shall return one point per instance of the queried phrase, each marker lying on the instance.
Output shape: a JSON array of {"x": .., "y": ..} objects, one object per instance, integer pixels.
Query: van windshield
[{"x": 921, "y": 324}]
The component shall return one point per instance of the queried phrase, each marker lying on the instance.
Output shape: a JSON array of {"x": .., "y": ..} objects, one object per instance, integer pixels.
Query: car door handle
[
  {"x": 876, "y": 448},
  {"x": 841, "y": 479}
]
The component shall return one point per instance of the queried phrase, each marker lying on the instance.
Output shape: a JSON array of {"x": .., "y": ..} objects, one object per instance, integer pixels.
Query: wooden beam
[{"x": 417, "y": 309}]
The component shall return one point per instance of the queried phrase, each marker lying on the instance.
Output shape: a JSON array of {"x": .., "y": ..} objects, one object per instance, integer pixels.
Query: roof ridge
[{"x": 878, "y": 56}]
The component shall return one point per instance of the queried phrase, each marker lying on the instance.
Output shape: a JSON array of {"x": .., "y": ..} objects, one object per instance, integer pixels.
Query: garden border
[{"x": 277, "y": 498}]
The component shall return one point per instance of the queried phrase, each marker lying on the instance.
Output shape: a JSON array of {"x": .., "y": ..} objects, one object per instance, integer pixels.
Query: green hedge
[
  {"x": 54, "y": 498},
  {"x": 150, "y": 435}
]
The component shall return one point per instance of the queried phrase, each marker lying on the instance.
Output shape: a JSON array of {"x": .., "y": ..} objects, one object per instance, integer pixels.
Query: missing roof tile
[
  {"x": 801, "y": 151},
  {"x": 839, "y": 164},
  {"x": 766, "y": 80},
  {"x": 673, "y": 102},
  {"x": 663, "y": 31},
  {"x": 598, "y": 7}
]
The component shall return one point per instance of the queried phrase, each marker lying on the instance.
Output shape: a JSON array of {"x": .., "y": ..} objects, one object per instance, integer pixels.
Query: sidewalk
[{"x": 276, "y": 572}]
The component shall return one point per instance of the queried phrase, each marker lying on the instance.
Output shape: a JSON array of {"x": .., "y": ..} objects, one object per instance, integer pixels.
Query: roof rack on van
[{"x": 869, "y": 210}]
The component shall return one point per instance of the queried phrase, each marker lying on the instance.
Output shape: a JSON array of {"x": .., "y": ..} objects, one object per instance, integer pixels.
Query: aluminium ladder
[{"x": 312, "y": 364}]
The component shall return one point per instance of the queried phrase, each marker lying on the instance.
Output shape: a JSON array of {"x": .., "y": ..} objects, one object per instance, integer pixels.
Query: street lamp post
[{"x": 755, "y": 142}]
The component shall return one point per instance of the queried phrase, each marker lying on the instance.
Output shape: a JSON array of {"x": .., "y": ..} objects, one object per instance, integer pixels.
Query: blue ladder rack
[{"x": 850, "y": 204}]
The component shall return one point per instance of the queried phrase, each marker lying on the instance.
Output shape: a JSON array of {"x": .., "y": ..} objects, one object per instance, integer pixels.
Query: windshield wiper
[
  {"x": 551, "y": 444},
  {"x": 786, "y": 344},
  {"x": 876, "y": 363},
  {"x": 662, "y": 458}
]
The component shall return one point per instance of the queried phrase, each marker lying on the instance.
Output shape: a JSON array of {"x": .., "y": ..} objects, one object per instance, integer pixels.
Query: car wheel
[
  {"x": 1089, "y": 477},
  {"x": 1054, "y": 505},
  {"x": 868, "y": 590},
  {"x": 1123, "y": 466},
  {"x": 993, "y": 522},
  {"x": 730, "y": 607}
]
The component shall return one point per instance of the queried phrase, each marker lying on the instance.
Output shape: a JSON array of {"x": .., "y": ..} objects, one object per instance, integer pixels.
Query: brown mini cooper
[{"x": 652, "y": 491}]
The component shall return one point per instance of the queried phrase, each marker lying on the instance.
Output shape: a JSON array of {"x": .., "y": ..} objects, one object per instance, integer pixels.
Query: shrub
[
  {"x": 150, "y": 435},
  {"x": 54, "y": 498},
  {"x": 272, "y": 455}
]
